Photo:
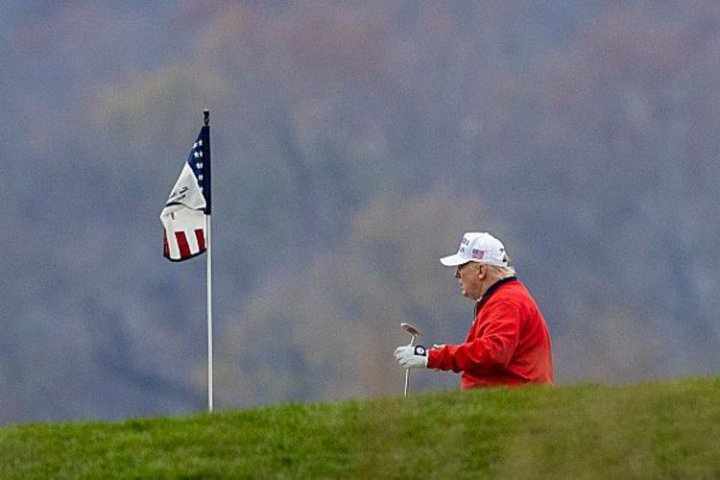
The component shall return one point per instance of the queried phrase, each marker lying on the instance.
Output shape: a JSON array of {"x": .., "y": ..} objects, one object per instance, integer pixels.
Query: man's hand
[{"x": 411, "y": 356}]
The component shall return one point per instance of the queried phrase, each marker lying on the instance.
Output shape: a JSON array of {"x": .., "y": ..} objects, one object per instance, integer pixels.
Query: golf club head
[{"x": 411, "y": 329}]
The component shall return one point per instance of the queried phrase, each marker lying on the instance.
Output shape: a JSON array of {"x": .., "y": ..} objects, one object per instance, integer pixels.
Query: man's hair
[{"x": 501, "y": 272}]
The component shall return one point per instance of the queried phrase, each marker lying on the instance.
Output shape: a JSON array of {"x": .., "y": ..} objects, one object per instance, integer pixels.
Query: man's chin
[{"x": 468, "y": 296}]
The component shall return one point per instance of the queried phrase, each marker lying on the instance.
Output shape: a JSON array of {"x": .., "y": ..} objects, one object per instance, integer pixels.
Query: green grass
[{"x": 651, "y": 430}]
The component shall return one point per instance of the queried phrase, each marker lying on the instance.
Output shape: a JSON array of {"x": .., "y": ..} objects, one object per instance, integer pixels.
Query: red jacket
[{"x": 508, "y": 343}]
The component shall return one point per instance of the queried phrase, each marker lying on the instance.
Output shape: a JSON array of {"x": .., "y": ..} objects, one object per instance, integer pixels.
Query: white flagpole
[
  {"x": 209, "y": 315},
  {"x": 206, "y": 121}
]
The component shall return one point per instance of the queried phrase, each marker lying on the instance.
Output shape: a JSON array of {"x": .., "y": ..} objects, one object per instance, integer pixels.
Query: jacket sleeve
[{"x": 495, "y": 345}]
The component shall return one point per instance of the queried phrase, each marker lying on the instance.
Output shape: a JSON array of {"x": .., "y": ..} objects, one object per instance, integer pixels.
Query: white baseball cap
[{"x": 478, "y": 247}]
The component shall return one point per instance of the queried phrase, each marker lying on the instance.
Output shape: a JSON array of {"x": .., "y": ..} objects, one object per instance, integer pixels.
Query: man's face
[{"x": 471, "y": 275}]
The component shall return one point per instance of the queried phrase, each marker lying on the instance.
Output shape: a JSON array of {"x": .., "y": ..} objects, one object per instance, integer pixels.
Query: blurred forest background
[{"x": 353, "y": 143}]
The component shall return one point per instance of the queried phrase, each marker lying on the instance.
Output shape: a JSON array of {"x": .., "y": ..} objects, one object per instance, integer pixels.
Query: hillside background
[{"x": 353, "y": 143}]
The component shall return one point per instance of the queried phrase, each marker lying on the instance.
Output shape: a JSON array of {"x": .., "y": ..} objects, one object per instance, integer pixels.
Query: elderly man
[{"x": 508, "y": 342}]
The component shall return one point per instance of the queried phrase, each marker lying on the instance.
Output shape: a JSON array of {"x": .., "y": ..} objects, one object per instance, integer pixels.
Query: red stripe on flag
[
  {"x": 200, "y": 235},
  {"x": 166, "y": 248},
  {"x": 182, "y": 244}
]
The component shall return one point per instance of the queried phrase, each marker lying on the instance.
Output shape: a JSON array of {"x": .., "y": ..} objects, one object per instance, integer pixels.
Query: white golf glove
[{"x": 411, "y": 356}]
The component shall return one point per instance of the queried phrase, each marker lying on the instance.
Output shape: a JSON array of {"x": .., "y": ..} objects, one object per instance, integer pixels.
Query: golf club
[{"x": 414, "y": 332}]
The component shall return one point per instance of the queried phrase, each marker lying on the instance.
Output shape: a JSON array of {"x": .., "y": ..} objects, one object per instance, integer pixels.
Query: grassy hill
[{"x": 650, "y": 430}]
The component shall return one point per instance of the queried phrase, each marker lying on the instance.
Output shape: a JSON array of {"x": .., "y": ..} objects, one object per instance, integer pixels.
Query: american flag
[{"x": 183, "y": 217}]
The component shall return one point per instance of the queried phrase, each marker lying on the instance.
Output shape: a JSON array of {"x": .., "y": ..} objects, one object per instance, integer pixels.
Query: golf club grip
[{"x": 407, "y": 371}]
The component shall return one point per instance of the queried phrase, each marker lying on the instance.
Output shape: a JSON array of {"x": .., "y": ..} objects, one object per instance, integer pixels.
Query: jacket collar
[{"x": 490, "y": 291}]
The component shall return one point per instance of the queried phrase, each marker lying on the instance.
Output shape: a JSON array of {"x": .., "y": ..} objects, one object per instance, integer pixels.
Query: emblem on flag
[{"x": 183, "y": 217}]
